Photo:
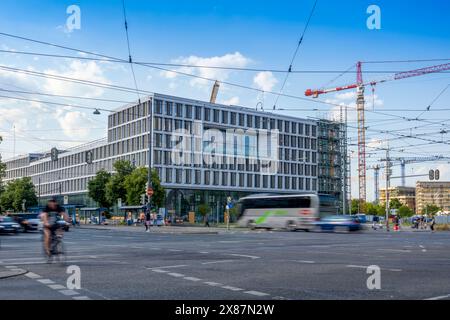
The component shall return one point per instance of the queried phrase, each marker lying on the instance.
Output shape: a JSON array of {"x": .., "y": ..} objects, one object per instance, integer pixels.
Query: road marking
[
  {"x": 232, "y": 288},
  {"x": 175, "y": 250},
  {"x": 159, "y": 271},
  {"x": 69, "y": 292},
  {"x": 303, "y": 261},
  {"x": 257, "y": 293},
  {"x": 57, "y": 287},
  {"x": 192, "y": 279},
  {"x": 10, "y": 267},
  {"x": 366, "y": 267},
  {"x": 213, "y": 284},
  {"x": 46, "y": 281},
  {"x": 168, "y": 267},
  {"x": 203, "y": 252},
  {"x": 176, "y": 275},
  {"x": 32, "y": 275},
  {"x": 217, "y": 262},
  {"x": 81, "y": 298},
  {"x": 438, "y": 298},
  {"x": 244, "y": 256}
]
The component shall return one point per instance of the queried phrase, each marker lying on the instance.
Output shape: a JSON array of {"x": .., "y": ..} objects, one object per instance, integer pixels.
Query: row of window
[
  {"x": 227, "y": 117},
  {"x": 233, "y": 179}
]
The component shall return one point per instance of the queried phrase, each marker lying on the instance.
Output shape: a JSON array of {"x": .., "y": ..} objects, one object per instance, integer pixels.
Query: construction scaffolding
[{"x": 332, "y": 172}]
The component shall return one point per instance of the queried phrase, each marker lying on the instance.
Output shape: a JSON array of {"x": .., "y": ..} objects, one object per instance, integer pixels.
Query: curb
[
  {"x": 12, "y": 273},
  {"x": 159, "y": 232}
]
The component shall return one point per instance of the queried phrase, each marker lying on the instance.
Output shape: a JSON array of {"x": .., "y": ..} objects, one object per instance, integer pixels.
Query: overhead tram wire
[
  {"x": 295, "y": 54},
  {"x": 434, "y": 101},
  {"x": 131, "y": 90},
  {"x": 130, "y": 59},
  {"x": 183, "y": 65},
  {"x": 125, "y": 89}
]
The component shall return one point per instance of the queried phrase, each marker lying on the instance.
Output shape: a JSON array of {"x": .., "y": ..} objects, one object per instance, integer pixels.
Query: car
[
  {"x": 8, "y": 225},
  {"x": 340, "y": 224},
  {"x": 362, "y": 218},
  {"x": 28, "y": 221}
]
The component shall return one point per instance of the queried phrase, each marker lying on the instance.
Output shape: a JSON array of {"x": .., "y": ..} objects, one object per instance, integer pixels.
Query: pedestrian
[
  {"x": 148, "y": 218},
  {"x": 207, "y": 221},
  {"x": 432, "y": 223}
]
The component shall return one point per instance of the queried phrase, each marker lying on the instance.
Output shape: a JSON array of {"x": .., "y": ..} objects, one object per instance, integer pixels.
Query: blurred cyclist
[{"x": 50, "y": 215}]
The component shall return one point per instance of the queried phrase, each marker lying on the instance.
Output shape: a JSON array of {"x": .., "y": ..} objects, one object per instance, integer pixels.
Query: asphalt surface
[{"x": 236, "y": 265}]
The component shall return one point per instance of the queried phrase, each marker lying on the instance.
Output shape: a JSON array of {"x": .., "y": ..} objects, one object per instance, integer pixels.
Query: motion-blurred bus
[{"x": 291, "y": 212}]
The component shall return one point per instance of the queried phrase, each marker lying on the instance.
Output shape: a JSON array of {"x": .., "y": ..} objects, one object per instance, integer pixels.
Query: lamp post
[{"x": 150, "y": 147}]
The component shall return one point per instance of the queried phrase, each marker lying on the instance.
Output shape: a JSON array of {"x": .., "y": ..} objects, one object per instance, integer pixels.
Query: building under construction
[{"x": 332, "y": 169}]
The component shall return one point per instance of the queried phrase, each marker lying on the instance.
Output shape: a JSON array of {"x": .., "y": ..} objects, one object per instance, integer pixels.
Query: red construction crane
[{"x": 360, "y": 86}]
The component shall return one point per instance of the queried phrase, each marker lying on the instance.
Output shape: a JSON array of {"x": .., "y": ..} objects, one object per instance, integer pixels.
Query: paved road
[{"x": 227, "y": 266}]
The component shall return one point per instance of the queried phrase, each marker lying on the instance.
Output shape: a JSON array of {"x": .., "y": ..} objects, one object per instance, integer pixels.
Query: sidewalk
[{"x": 160, "y": 230}]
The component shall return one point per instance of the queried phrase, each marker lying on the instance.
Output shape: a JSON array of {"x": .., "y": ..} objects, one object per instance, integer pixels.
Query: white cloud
[
  {"x": 234, "y": 101},
  {"x": 74, "y": 123},
  {"x": 228, "y": 60},
  {"x": 265, "y": 81}
]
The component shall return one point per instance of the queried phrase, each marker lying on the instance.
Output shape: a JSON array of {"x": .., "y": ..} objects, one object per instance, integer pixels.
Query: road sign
[
  {"x": 66, "y": 200},
  {"x": 150, "y": 192},
  {"x": 119, "y": 203}
]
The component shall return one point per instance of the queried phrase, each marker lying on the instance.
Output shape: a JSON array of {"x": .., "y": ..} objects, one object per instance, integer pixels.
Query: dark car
[
  {"x": 340, "y": 224},
  {"x": 8, "y": 225},
  {"x": 28, "y": 221}
]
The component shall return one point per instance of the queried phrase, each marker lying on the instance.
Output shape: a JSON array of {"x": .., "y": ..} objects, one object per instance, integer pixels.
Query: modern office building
[
  {"x": 406, "y": 195},
  {"x": 432, "y": 193},
  {"x": 203, "y": 152}
]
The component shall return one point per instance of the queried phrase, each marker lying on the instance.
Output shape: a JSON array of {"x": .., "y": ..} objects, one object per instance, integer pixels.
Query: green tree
[
  {"x": 371, "y": 209},
  {"x": 18, "y": 192},
  {"x": 431, "y": 209},
  {"x": 97, "y": 188},
  {"x": 115, "y": 188},
  {"x": 204, "y": 210},
  {"x": 135, "y": 184},
  {"x": 395, "y": 204},
  {"x": 405, "y": 211}
]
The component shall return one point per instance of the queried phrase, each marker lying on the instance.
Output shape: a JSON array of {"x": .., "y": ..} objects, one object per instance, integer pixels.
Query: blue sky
[{"x": 257, "y": 34}]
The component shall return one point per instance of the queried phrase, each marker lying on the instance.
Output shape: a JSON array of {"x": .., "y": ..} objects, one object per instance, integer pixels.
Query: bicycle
[{"x": 57, "y": 248}]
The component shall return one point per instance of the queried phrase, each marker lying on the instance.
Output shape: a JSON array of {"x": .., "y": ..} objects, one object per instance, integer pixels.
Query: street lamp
[{"x": 97, "y": 112}]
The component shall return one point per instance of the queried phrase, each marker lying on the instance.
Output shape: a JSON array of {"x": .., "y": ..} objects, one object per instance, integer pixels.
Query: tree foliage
[
  {"x": 135, "y": 185},
  {"x": 115, "y": 188},
  {"x": 18, "y": 192},
  {"x": 431, "y": 209},
  {"x": 395, "y": 204},
  {"x": 204, "y": 210},
  {"x": 405, "y": 211},
  {"x": 97, "y": 188}
]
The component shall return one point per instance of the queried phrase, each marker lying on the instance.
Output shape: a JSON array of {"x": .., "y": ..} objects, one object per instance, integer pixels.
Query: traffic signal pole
[{"x": 150, "y": 154}]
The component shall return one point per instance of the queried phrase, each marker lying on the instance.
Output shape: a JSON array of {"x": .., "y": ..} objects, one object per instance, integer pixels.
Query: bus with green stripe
[{"x": 292, "y": 212}]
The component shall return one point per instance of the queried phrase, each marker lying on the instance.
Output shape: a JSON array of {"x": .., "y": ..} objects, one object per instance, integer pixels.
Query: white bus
[{"x": 291, "y": 212}]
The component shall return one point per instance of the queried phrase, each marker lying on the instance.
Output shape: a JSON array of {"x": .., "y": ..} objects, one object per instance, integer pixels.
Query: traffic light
[
  {"x": 435, "y": 175},
  {"x": 431, "y": 175},
  {"x": 54, "y": 153}
]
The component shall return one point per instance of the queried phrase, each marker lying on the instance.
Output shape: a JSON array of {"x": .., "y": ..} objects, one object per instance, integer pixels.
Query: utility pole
[{"x": 388, "y": 176}]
